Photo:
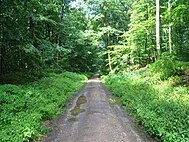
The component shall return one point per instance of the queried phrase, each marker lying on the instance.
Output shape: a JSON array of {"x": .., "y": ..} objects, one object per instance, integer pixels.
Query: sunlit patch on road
[{"x": 94, "y": 80}]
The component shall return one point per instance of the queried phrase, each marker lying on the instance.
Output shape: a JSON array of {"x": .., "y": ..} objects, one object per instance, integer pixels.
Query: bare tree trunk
[
  {"x": 170, "y": 38},
  {"x": 109, "y": 62},
  {"x": 158, "y": 30},
  {"x": 57, "y": 46}
]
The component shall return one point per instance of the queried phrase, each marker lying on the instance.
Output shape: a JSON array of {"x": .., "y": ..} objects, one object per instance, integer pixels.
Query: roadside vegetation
[
  {"x": 24, "y": 108},
  {"x": 157, "y": 96}
]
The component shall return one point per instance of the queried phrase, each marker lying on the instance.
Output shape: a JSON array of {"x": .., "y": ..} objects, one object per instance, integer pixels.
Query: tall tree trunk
[
  {"x": 170, "y": 38},
  {"x": 147, "y": 33},
  {"x": 109, "y": 62},
  {"x": 60, "y": 33},
  {"x": 158, "y": 29},
  {"x": 61, "y": 20},
  {"x": 57, "y": 46},
  {"x": 109, "y": 57}
]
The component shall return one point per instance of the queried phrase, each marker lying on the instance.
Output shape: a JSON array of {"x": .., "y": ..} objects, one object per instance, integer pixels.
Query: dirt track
[{"x": 95, "y": 116}]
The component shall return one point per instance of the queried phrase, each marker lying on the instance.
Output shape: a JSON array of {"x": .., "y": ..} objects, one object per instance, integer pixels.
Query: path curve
[{"x": 91, "y": 117}]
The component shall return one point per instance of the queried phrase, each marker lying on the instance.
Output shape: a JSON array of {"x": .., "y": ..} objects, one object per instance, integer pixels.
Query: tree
[
  {"x": 170, "y": 39},
  {"x": 158, "y": 29}
]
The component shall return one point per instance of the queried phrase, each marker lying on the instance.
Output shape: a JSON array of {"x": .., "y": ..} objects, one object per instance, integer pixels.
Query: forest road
[{"x": 93, "y": 116}]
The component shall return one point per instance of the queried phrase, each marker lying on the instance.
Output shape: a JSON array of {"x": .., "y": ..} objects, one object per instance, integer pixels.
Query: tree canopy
[{"x": 91, "y": 35}]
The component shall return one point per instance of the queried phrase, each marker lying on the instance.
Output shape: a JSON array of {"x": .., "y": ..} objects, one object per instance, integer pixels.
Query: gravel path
[{"x": 94, "y": 116}]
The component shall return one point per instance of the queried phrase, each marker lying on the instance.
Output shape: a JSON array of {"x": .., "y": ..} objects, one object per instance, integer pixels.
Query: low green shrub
[
  {"x": 23, "y": 108},
  {"x": 161, "y": 108},
  {"x": 168, "y": 66},
  {"x": 87, "y": 74},
  {"x": 165, "y": 67}
]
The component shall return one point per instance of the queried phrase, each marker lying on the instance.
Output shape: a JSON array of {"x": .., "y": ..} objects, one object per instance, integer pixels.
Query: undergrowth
[
  {"x": 22, "y": 77},
  {"x": 26, "y": 76},
  {"x": 24, "y": 108},
  {"x": 154, "y": 100}
]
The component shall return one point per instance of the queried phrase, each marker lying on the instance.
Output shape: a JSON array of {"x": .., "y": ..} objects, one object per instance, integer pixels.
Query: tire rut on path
[{"x": 91, "y": 117}]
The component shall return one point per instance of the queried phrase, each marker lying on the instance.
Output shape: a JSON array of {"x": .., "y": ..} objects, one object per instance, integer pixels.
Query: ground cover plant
[
  {"x": 24, "y": 108},
  {"x": 160, "y": 105}
]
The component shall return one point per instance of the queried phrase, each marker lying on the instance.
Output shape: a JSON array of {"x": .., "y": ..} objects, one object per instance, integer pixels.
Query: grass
[{"x": 23, "y": 108}]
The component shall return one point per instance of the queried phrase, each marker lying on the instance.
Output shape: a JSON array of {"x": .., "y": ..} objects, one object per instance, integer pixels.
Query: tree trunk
[
  {"x": 109, "y": 62},
  {"x": 158, "y": 29},
  {"x": 170, "y": 38},
  {"x": 57, "y": 46}
]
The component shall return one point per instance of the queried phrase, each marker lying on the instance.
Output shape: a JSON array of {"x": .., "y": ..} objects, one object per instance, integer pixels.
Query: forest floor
[{"x": 95, "y": 115}]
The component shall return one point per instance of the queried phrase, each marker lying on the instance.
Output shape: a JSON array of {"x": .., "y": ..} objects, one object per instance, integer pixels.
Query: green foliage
[
  {"x": 165, "y": 66},
  {"x": 48, "y": 34},
  {"x": 168, "y": 66},
  {"x": 161, "y": 108},
  {"x": 91, "y": 35},
  {"x": 87, "y": 74},
  {"x": 23, "y": 108},
  {"x": 138, "y": 39}
]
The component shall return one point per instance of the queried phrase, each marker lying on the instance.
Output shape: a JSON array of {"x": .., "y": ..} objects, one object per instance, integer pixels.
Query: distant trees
[
  {"x": 106, "y": 35},
  {"x": 109, "y": 20}
]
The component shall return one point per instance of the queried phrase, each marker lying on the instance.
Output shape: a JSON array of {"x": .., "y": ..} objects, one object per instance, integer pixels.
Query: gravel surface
[{"x": 95, "y": 116}]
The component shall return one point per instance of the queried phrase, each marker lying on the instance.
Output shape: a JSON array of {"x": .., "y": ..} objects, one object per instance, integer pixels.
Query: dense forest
[
  {"x": 109, "y": 35},
  {"x": 141, "y": 44}
]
